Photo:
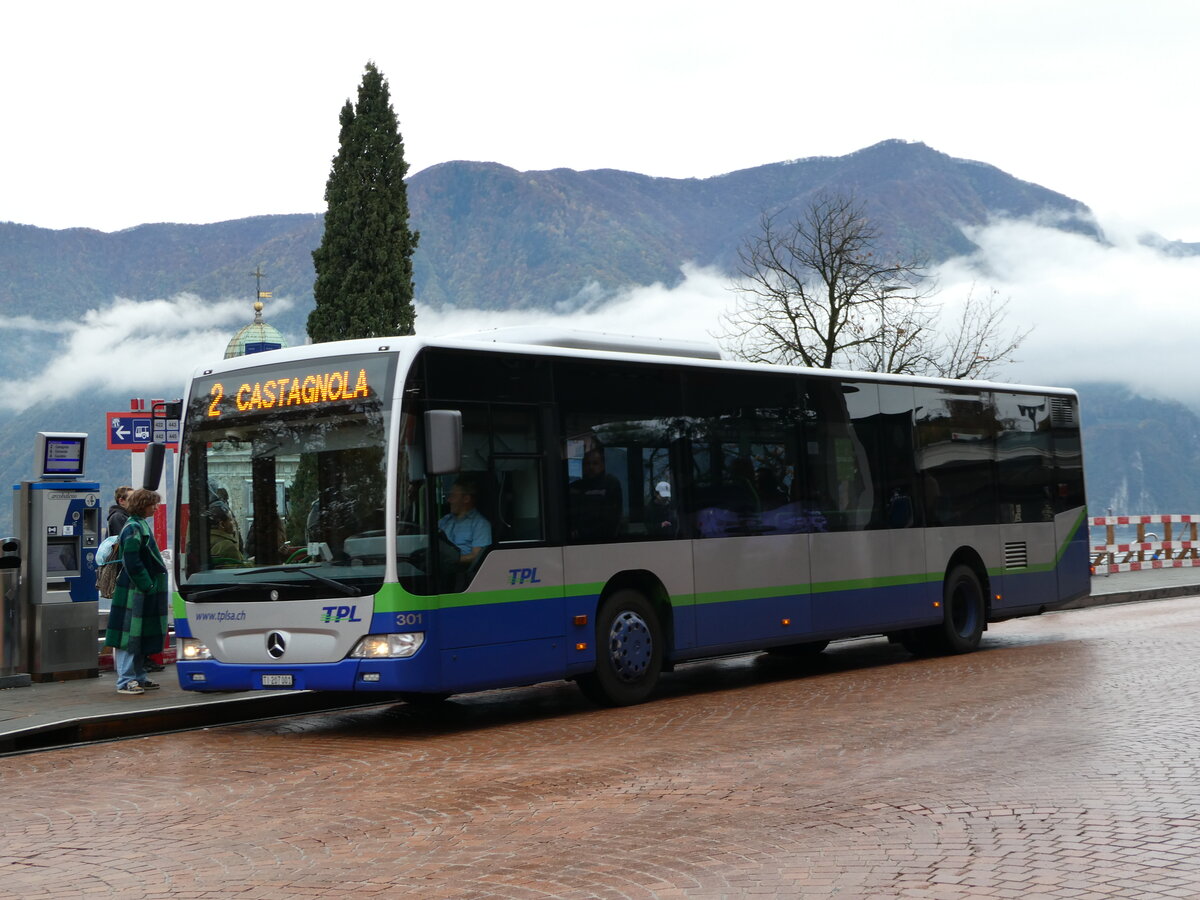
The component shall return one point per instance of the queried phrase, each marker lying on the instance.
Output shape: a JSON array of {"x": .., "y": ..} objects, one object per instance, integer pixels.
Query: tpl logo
[
  {"x": 339, "y": 614},
  {"x": 523, "y": 576}
]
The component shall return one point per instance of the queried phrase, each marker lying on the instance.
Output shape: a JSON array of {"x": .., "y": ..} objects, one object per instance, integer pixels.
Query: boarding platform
[{"x": 81, "y": 710}]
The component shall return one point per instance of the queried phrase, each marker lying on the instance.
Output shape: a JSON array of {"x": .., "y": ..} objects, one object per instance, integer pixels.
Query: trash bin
[{"x": 13, "y": 665}]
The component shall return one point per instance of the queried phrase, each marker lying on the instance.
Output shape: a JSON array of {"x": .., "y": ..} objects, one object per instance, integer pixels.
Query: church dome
[{"x": 255, "y": 337}]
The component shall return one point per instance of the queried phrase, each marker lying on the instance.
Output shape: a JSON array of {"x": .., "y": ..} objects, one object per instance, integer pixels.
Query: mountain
[
  {"x": 1141, "y": 455},
  {"x": 496, "y": 238}
]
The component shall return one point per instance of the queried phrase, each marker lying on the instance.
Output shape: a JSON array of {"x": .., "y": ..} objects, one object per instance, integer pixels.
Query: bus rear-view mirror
[{"x": 443, "y": 441}]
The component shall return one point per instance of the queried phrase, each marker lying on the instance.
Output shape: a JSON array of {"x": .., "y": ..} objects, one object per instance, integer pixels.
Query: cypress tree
[{"x": 364, "y": 285}]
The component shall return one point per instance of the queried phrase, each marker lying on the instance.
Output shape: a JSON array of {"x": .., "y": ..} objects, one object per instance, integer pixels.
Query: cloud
[
  {"x": 1113, "y": 312},
  {"x": 1118, "y": 312},
  {"x": 129, "y": 345},
  {"x": 690, "y": 310}
]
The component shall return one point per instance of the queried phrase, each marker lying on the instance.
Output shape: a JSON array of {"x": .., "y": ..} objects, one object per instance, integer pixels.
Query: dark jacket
[{"x": 117, "y": 517}]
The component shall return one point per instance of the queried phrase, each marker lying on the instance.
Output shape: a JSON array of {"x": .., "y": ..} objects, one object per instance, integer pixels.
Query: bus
[{"x": 432, "y": 516}]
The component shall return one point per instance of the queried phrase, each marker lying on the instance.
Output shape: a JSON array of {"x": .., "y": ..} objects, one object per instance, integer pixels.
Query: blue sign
[{"x": 133, "y": 431}]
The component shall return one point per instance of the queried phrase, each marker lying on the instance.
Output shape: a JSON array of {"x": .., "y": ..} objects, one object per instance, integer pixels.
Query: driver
[{"x": 464, "y": 526}]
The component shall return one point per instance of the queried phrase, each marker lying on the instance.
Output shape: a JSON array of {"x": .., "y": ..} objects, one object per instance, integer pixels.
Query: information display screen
[{"x": 61, "y": 455}]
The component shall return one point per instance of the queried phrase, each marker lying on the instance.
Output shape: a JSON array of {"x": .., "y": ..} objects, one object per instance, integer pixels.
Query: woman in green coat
[{"x": 137, "y": 622}]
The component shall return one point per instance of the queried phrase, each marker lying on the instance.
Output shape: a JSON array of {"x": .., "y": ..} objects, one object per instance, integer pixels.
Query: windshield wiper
[
  {"x": 348, "y": 590},
  {"x": 235, "y": 589}
]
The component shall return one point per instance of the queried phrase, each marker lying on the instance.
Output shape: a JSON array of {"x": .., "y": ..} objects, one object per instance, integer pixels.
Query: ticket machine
[{"x": 58, "y": 522}]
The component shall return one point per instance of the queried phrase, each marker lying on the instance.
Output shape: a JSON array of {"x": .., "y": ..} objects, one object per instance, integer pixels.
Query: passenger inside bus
[
  {"x": 595, "y": 500},
  {"x": 223, "y": 548},
  {"x": 662, "y": 519}
]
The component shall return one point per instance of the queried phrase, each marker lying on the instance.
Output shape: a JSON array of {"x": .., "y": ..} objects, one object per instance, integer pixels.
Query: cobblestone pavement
[{"x": 1060, "y": 761}]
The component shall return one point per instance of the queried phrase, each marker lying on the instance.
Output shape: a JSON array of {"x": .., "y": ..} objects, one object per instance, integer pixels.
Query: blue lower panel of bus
[
  {"x": 431, "y": 670},
  {"x": 499, "y": 665},
  {"x": 875, "y": 609},
  {"x": 765, "y": 621},
  {"x": 730, "y": 623},
  {"x": 1025, "y": 590},
  {"x": 1074, "y": 569},
  {"x": 210, "y": 675}
]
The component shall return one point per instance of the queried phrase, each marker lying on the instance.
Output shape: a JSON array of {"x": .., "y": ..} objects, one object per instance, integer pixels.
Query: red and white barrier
[
  {"x": 1142, "y": 520},
  {"x": 1141, "y": 554}
]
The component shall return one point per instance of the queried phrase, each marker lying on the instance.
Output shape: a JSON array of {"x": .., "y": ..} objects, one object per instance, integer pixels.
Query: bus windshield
[{"x": 283, "y": 475}]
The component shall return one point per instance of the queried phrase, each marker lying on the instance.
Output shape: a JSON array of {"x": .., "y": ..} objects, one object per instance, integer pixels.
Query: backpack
[
  {"x": 107, "y": 550},
  {"x": 106, "y": 579}
]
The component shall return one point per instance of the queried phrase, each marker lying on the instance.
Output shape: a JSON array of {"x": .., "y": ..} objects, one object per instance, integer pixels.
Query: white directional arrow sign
[{"x": 133, "y": 430}]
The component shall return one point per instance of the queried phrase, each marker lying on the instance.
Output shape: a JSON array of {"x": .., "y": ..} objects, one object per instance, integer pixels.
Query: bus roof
[{"x": 581, "y": 344}]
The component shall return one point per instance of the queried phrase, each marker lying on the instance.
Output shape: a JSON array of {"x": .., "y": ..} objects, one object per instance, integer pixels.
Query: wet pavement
[
  {"x": 55, "y": 714},
  {"x": 1058, "y": 761}
]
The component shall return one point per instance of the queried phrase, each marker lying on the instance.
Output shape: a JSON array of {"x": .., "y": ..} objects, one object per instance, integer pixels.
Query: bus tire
[
  {"x": 964, "y": 611},
  {"x": 629, "y": 651},
  {"x": 963, "y": 618}
]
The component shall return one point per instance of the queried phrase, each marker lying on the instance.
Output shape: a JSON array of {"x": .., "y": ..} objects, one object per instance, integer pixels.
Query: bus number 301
[{"x": 403, "y": 619}]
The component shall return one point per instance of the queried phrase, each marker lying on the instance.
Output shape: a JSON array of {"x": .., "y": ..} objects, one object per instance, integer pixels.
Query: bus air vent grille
[
  {"x": 1016, "y": 555},
  {"x": 1062, "y": 412}
]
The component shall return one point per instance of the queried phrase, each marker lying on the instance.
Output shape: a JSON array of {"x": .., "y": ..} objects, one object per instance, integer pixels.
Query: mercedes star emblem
[{"x": 276, "y": 645}]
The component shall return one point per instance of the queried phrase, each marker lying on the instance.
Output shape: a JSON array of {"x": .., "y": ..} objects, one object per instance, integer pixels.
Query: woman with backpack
[{"x": 137, "y": 622}]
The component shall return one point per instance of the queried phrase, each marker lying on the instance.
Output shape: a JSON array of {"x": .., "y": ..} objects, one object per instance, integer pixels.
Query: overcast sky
[{"x": 122, "y": 114}]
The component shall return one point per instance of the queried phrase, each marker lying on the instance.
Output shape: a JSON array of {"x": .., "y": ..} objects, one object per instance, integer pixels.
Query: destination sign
[{"x": 304, "y": 386}]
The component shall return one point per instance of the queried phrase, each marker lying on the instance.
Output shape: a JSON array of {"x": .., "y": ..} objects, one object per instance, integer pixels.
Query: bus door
[
  {"x": 860, "y": 480},
  {"x": 746, "y": 509},
  {"x": 501, "y": 607},
  {"x": 1025, "y": 496},
  {"x": 956, "y": 457},
  {"x": 620, "y": 482}
]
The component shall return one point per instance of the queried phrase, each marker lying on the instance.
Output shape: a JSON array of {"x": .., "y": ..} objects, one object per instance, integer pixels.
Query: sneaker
[
  {"x": 132, "y": 688},
  {"x": 154, "y": 667},
  {"x": 149, "y": 685}
]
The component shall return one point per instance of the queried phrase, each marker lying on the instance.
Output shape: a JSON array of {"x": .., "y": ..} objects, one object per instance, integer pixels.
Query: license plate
[{"x": 277, "y": 681}]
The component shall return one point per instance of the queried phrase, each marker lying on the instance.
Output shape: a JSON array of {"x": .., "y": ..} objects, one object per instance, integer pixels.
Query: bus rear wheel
[
  {"x": 629, "y": 651},
  {"x": 964, "y": 615}
]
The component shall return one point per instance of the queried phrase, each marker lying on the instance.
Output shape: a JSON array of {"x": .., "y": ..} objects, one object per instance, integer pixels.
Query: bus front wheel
[{"x": 629, "y": 651}]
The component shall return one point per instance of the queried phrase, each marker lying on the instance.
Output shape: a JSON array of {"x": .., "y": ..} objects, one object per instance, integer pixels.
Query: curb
[
  {"x": 1159, "y": 593},
  {"x": 133, "y": 723}
]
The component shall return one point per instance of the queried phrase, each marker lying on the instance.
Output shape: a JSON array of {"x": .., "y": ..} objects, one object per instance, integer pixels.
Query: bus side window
[{"x": 519, "y": 505}]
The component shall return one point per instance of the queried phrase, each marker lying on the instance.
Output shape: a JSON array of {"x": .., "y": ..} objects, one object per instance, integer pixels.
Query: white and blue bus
[{"x": 644, "y": 504}]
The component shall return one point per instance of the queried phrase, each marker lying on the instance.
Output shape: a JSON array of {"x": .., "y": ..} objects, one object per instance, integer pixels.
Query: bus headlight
[
  {"x": 388, "y": 646},
  {"x": 190, "y": 650}
]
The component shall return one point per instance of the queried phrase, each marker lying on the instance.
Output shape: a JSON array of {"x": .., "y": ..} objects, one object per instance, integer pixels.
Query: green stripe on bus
[
  {"x": 392, "y": 598},
  {"x": 1080, "y": 521}
]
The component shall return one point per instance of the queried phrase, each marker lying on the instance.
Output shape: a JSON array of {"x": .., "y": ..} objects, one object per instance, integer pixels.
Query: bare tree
[
  {"x": 975, "y": 346},
  {"x": 817, "y": 293}
]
